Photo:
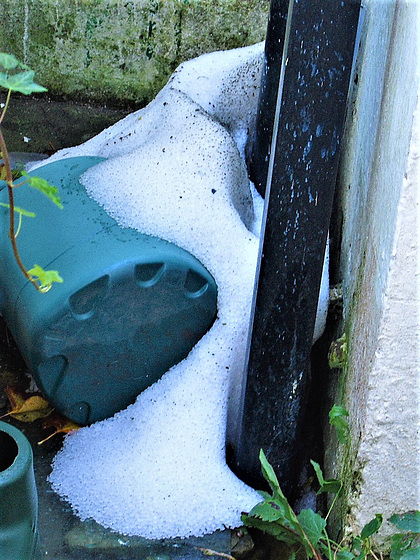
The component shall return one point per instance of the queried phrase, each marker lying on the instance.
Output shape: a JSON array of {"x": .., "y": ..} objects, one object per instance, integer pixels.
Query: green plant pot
[
  {"x": 18, "y": 496},
  {"x": 131, "y": 305}
]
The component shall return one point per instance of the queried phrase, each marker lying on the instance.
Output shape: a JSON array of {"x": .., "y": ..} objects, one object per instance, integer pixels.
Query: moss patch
[{"x": 122, "y": 52}]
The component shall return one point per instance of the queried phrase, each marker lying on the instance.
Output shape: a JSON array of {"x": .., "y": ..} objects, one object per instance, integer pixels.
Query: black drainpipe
[{"x": 309, "y": 54}]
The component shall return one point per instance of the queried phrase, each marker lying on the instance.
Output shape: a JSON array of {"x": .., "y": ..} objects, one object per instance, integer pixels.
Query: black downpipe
[
  {"x": 259, "y": 147},
  {"x": 309, "y": 54}
]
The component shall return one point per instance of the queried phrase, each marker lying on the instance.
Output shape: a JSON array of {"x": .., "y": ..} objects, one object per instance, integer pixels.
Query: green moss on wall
[
  {"x": 348, "y": 390},
  {"x": 122, "y": 52},
  {"x": 221, "y": 24}
]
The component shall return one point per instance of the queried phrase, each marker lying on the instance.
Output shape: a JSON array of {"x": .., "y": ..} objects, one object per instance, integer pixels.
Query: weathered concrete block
[
  {"x": 378, "y": 252},
  {"x": 107, "y": 50}
]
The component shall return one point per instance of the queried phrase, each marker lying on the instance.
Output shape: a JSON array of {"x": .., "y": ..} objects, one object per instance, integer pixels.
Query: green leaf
[
  {"x": 275, "y": 529},
  {"x": 357, "y": 544},
  {"x": 312, "y": 524},
  {"x": 269, "y": 474},
  {"x": 409, "y": 521},
  {"x": 19, "y": 210},
  {"x": 337, "y": 416},
  {"x": 267, "y": 511},
  {"x": 45, "y": 277},
  {"x": 331, "y": 485},
  {"x": 358, "y": 547},
  {"x": 344, "y": 554},
  {"x": 274, "y": 516},
  {"x": 45, "y": 187},
  {"x": 402, "y": 543},
  {"x": 372, "y": 527},
  {"x": 264, "y": 495},
  {"x": 8, "y": 61},
  {"x": 398, "y": 545},
  {"x": 411, "y": 554},
  {"x": 23, "y": 82},
  {"x": 278, "y": 511},
  {"x": 278, "y": 497}
]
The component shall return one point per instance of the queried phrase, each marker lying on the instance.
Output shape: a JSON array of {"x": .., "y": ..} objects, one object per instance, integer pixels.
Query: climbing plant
[{"x": 15, "y": 76}]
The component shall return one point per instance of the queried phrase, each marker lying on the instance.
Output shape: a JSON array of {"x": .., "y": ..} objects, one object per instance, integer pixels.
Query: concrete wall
[
  {"x": 377, "y": 219},
  {"x": 118, "y": 52}
]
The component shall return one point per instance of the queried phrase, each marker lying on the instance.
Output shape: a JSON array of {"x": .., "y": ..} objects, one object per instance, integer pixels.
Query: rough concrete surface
[
  {"x": 120, "y": 52},
  {"x": 379, "y": 386},
  {"x": 390, "y": 448}
]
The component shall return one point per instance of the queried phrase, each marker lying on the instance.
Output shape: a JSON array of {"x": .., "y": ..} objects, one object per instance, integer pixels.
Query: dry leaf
[
  {"x": 209, "y": 552},
  {"x": 60, "y": 424},
  {"x": 27, "y": 409}
]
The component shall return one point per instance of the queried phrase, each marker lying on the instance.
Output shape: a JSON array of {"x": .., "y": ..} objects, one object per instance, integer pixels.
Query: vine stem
[
  {"x": 373, "y": 554},
  {"x": 330, "y": 557},
  {"x": 9, "y": 93},
  {"x": 314, "y": 551},
  {"x": 333, "y": 502},
  {"x": 317, "y": 556},
  {"x": 10, "y": 187}
]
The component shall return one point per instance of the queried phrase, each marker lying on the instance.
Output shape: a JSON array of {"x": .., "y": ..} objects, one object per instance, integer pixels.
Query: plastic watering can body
[{"x": 131, "y": 305}]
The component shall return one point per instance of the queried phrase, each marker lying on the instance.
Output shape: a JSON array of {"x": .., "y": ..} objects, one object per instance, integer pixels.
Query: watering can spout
[{"x": 18, "y": 497}]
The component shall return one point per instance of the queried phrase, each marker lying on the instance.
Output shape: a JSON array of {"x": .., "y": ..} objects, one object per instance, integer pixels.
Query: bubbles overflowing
[{"x": 157, "y": 469}]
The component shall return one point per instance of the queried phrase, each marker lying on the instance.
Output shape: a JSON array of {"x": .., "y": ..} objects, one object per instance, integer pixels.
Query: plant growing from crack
[
  {"x": 306, "y": 533},
  {"x": 17, "y": 77}
]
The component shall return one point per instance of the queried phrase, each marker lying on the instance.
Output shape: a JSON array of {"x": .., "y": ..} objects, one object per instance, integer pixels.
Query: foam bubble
[{"x": 157, "y": 469}]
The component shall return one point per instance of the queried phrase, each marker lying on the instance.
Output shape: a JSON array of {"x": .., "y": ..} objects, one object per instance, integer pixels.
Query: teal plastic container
[
  {"x": 18, "y": 497},
  {"x": 130, "y": 307}
]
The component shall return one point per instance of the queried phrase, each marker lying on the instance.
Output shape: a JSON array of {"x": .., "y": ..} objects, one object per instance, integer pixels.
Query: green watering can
[
  {"x": 131, "y": 305},
  {"x": 18, "y": 497}
]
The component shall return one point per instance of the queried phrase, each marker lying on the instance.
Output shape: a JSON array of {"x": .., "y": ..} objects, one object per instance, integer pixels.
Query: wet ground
[{"x": 44, "y": 125}]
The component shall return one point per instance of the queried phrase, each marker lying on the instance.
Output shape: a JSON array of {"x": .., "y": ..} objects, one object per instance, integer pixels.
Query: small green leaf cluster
[
  {"x": 306, "y": 533},
  {"x": 44, "y": 187},
  {"x": 406, "y": 545},
  {"x": 338, "y": 418},
  {"x": 338, "y": 353},
  {"x": 274, "y": 516},
  {"x": 45, "y": 278},
  {"x": 15, "y": 76}
]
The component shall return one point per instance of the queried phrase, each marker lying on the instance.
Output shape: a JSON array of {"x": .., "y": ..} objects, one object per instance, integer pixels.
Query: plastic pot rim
[{"x": 23, "y": 457}]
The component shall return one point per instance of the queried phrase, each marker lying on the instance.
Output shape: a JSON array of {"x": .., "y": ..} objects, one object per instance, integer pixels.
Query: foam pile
[{"x": 157, "y": 469}]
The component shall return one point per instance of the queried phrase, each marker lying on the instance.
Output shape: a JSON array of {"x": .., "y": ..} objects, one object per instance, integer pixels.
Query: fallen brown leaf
[
  {"x": 60, "y": 424},
  {"x": 27, "y": 409}
]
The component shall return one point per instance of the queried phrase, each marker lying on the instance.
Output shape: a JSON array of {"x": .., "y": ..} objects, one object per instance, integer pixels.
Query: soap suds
[{"x": 157, "y": 469}]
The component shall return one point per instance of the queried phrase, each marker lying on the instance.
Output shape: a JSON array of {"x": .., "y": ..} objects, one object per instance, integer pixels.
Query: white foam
[{"x": 157, "y": 469}]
